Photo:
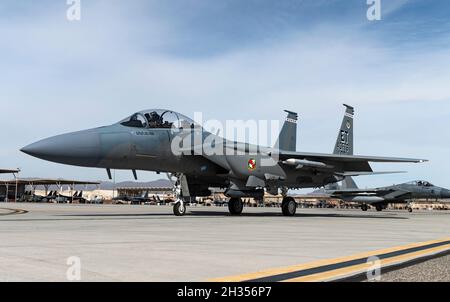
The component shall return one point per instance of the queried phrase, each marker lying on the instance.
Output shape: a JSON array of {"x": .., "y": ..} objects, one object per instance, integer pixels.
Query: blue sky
[{"x": 240, "y": 59}]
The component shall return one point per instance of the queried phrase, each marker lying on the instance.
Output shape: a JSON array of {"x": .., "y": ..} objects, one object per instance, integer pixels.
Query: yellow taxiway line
[
  {"x": 12, "y": 211},
  {"x": 338, "y": 268}
]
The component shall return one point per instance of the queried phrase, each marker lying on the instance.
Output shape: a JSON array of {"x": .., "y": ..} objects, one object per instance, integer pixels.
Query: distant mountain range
[{"x": 109, "y": 185}]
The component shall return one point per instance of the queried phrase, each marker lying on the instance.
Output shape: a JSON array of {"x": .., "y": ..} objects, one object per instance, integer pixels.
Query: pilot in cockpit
[{"x": 154, "y": 120}]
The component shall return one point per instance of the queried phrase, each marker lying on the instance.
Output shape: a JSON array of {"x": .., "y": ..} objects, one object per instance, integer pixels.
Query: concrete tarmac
[
  {"x": 434, "y": 270},
  {"x": 148, "y": 243}
]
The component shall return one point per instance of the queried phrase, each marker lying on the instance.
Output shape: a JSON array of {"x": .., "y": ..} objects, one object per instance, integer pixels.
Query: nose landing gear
[
  {"x": 180, "y": 189},
  {"x": 179, "y": 208},
  {"x": 409, "y": 207}
]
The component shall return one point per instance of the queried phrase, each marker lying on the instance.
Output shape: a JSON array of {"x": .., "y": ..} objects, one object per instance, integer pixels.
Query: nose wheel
[
  {"x": 179, "y": 208},
  {"x": 235, "y": 206},
  {"x": 288, "y": 206}
]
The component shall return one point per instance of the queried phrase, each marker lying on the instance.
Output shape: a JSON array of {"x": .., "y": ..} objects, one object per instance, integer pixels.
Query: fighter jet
[
  {"x": 380, "y": 197},
  {"x": 133, "y": 199},
  {"x": 140, "y": 199},
  {"x": 166, "y": 141}
]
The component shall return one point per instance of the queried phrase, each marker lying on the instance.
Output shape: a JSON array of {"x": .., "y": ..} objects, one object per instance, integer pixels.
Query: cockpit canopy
[
  {"x": 158, "y": 118},
  {"x": 421, "y": 183}
]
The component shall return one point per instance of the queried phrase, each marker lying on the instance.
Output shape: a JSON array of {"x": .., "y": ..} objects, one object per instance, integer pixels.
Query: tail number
[
  {"x": 343, "y": 144},
  {"x": 344, "y": 137}
]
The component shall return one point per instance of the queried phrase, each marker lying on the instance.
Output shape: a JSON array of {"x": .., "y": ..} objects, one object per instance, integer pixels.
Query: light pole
[{"x": 16, "y": 179}]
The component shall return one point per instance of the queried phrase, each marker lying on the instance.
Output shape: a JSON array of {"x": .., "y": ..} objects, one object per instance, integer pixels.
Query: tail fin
[
  {"x": 287, "y": 140},
  {"x": 332, "y": 186},
  {"x": 344, "y": 141},
  {"x": 349, "y": 183}
]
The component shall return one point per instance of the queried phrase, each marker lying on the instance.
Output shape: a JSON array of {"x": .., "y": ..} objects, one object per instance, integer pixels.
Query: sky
[{"x": 231, "y": 59}]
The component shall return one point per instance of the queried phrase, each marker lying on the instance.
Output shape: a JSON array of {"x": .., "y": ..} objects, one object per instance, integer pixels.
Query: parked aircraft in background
[
  {"x": 140, "y": 199},
  {"x": 381, "y": 197},
  {"x": 30, "y": 196},
  {"x": 78, "y": 197}
]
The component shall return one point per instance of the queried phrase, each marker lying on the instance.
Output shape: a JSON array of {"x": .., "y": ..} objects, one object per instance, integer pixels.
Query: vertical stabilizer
[
  {"x": 287, "y": 140},
  {"x": 344, "y": 141},
  {"x": 349, "y": 183}
]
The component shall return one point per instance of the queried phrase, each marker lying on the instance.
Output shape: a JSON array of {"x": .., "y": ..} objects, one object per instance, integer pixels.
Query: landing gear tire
[
  {"x": 379, "y": 208},
  {"x": 235, "y": 206},
  {"x": 179, "y": 209},
  {"x": 364, "y": 207},
  {"x": 288, "y": 206},
  {"x": 410, "y": 210}
]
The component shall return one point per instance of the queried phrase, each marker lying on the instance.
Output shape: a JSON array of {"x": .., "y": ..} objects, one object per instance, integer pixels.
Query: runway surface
[{"x": 148, "y": 243}]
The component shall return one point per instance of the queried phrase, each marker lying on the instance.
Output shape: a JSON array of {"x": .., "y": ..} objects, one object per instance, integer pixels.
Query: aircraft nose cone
[
  {"x": 38, "y": 149},
  {"x": 30, "y": 149},
  {"x": 79, "y": 148}
]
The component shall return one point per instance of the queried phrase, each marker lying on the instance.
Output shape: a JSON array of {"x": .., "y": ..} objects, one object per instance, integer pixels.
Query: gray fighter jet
[
  {"x": 380, "y": 197},
  {"x": 166, "y": 141}
]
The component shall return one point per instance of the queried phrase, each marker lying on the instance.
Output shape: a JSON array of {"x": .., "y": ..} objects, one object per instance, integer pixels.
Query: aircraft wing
[
  {"x": 345, "y": 158},
  {"x": 338, "y": 162},
  {"x": 395, "y": 194},
  {"x": 385, "y": 193},
  {"x": 354, "y": 192},
  {"x": 347, "y": 174}
]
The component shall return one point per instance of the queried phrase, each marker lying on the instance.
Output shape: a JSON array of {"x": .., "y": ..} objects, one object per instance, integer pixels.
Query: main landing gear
[
  {"x": 235, "y": 206},
  {"x": 378, "y": 207},
  {"x": 288, "y": 206}
]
